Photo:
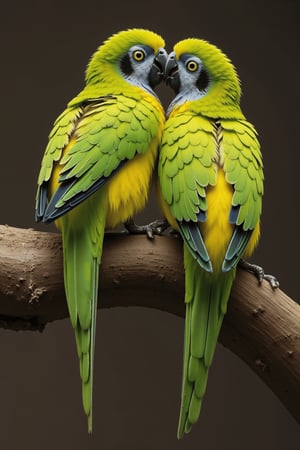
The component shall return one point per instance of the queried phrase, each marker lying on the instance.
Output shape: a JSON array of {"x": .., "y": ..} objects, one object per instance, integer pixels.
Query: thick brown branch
[{"x": 262, "y": 327}]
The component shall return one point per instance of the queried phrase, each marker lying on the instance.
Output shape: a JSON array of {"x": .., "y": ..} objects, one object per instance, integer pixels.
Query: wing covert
[
  {"x": 109, "y": 132},
  {"x": 186, "y": 169},
  {"x": 244, "y": 170},
  {"x": 58, "y": 139}
]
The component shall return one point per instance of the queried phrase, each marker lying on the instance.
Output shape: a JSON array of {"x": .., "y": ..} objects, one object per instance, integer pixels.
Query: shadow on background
[{"x": 45, "y": 49}]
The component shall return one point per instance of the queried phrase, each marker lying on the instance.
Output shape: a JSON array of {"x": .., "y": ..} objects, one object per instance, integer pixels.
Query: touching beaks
[
  {"x": 171, "y": 74},
  {"x": 160, "y": 60},
  {"x": 165, "y": 68},
  {"x": 171, "y": 67},
  {"x": 157, "y": 73}
]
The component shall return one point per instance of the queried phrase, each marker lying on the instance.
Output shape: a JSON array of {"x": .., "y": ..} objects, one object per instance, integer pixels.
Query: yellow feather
[
  {"x": 164, "y": 207},
  {"x": 217, "y": 229},
  {"x": 253, "y": 241},
  {"x": 128, "y": 190}
]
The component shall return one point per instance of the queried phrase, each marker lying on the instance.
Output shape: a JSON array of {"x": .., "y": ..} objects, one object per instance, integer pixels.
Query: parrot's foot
[
  {"x": 156, "y": 227},
  {"x": 259, "y": 272}
]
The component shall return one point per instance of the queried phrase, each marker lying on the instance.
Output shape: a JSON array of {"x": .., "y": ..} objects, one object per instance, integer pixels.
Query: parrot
[
  {"x": 97, "y": 168},
  {"x": 210, "y": 188}
]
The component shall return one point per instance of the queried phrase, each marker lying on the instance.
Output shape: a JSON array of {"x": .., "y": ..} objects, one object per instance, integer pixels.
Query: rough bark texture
[{"x": 262, "y": 326}]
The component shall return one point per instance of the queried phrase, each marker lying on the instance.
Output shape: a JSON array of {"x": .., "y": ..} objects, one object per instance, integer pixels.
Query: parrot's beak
[
  {"x": 158, "y": 67},
  {"x": 172, "y": 73}
]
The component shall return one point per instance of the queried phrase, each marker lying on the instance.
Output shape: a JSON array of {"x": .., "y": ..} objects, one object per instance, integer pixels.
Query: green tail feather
[
  {"x": 82, "y": 254},
  {"x": 206, "y": 303},
  {"x": 85, "y": 341}
]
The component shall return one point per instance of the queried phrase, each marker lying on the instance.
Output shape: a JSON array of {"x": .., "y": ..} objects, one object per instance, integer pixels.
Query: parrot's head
[
  {"x": 136, "y": 56},
  {"x": 199, "y": 72}
]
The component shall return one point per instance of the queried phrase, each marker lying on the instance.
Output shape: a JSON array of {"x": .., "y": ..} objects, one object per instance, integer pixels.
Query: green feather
[
  {"x": 198, "y": 141},
  {"x": 82, "y": 253},
  {"x": 107, "y": 124},
  {"x": 104, "y": 138},
  {"x": 206, "y": 301},
  {"x": 244, "y": 172},
  {"x": 190, "y": 179},
  {"x": 207, "y": 133},
  {"x": 64, "y": 127}
]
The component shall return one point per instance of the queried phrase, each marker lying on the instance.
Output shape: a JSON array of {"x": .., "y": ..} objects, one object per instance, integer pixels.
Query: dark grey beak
[
  {"x": 171, "y": 72},
  {"x": 157, "y": 72}
]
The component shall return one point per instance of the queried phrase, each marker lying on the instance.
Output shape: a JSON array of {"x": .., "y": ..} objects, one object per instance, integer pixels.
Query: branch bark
[{"x": 262, "y": 327}]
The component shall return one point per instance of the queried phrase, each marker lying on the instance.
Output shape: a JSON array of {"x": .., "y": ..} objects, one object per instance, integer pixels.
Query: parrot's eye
[
  {"x": 192, "y": 65},
  {"x": 138, "y": 55}
]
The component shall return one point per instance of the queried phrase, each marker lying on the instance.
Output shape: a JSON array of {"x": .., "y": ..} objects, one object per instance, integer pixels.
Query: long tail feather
[
  {"x": 82, "y": 255},
  {"x": 206, "y": 302}
]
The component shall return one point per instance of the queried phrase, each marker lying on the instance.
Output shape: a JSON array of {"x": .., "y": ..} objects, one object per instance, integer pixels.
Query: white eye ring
[
  {"x": 138, "y": 55},
  {"x": 192, "y": 65}
]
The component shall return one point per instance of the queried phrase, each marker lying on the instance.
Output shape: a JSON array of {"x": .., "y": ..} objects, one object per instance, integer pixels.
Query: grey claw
[
  {"x": 274, "y": 283},
  {"x": 149, "y": 232},
  {"x": 259, "y": 273},
  {"x": 156, "y": 227}
]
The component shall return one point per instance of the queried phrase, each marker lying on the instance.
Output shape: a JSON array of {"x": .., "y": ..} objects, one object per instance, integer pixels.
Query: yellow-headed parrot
[
  {"x": 97, "y": 168},
  {"x": 211, "y": 187}
]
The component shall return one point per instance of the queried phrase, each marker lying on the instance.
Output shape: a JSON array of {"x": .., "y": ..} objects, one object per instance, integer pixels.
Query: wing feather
[
  {"x": 244, "y": 170},
  {"x": 58, "y": 139},
  {"x": 106, "y": 132},
  {"x": 186, "y": 169}
]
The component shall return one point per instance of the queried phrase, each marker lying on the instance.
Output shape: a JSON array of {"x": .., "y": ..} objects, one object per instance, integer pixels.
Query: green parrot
[
  {"x": 210, "y": 189},
  {"x": 97, "y": 169}
]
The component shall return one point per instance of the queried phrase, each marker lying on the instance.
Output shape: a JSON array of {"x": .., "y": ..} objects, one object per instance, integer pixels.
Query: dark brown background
[{"x": 45, "y": 47}]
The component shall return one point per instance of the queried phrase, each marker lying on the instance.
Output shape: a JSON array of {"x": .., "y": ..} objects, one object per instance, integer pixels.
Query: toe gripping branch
[
  {"x": 156, "y": 227},
  {"x": 259, "y": 273}
]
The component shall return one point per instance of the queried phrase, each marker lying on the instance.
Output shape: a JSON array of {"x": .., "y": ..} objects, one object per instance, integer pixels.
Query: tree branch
[{"x": 262, "y": 326}]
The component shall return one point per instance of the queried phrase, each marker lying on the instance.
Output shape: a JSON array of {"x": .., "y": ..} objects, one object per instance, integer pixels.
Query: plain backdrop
[{"x": 45, "y": 47}]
